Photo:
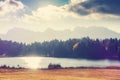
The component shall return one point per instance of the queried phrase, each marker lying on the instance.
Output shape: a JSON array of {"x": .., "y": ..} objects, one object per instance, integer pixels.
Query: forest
[{"x": 84, "y": 48}]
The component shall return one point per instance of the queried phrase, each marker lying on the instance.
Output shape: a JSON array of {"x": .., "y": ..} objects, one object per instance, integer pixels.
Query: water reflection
[
  {"x": 43, "y": 62},
  {"x": 32, "y": 62}
]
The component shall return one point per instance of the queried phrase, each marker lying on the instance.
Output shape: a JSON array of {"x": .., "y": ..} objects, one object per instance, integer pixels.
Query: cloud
[
  {"x": 88, "y": 7},
  {"x": 10, "y": 7},
  {"x": 61, "y": 17},
  {"x": 68, "y": 16},
  {"x": 48, "y": 13},
  {"x": 10, "y": 13},
  {"x": 48, "y": 16}
]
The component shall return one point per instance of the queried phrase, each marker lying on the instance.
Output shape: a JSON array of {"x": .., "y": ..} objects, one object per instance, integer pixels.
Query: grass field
[{"x": 61, "y": 74}]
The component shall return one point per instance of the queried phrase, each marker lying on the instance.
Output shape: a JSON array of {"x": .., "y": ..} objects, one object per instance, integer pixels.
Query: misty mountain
[{"x": 23, "y": 35}]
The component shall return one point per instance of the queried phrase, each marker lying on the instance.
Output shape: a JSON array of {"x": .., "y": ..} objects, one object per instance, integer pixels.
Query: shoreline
[{"x": 21, "y": 68}]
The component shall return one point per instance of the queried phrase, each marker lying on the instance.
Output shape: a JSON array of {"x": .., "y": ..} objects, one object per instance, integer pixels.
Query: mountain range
[{"x": 27, "y": 36}]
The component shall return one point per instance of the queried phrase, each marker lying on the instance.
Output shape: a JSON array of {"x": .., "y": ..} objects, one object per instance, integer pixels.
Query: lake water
[{"x": 43, "y": 62}]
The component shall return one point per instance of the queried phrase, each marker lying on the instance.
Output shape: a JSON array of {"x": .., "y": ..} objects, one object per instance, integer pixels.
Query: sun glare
[{"x": 32, "y": 62}]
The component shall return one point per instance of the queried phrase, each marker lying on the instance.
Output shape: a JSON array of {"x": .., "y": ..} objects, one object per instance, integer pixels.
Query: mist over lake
[{"x": 43, "y": 62}]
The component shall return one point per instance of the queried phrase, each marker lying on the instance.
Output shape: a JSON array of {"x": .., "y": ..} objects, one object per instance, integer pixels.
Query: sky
[{"x": 38, "y": 15}]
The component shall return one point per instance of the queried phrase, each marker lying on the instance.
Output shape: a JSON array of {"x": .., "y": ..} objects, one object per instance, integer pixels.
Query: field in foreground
[{"x": 62, "y": 74}]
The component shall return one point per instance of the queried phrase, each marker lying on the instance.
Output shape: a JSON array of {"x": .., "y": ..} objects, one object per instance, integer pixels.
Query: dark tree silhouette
[{"x": 73, "y": 48}]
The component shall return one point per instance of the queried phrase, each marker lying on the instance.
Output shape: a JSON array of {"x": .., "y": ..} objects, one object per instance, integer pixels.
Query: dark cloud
[
  {"x": 12, "y": 2},
  {"x": 97, "y": 6},
  {"x": 80, "y": 10}
]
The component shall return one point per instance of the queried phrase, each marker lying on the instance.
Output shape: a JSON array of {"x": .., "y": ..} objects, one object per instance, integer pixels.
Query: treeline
[{"x": 85, "y": 48}]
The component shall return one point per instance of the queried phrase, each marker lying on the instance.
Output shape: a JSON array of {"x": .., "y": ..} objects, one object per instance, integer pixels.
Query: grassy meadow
[{"x": 60, "y": 74}]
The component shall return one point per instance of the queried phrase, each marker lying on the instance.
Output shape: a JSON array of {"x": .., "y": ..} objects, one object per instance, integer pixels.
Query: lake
[{"x": 43, "y": 62}]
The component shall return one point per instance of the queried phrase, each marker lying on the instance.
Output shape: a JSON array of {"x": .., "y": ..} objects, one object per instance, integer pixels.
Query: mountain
[{"x": 27, "y": 36}]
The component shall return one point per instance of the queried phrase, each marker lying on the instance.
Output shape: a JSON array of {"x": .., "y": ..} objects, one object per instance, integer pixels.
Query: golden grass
[{"x": 62, "y": 74}]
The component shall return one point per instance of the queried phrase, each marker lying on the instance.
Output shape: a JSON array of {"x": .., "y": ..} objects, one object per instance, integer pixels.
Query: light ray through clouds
[
  {"x": 33, "y": 4},
  {"x": 38, "y": 15}
]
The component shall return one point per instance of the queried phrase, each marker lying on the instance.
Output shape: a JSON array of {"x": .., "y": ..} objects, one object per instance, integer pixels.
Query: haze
[{"x": 61, "y": 16}]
